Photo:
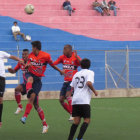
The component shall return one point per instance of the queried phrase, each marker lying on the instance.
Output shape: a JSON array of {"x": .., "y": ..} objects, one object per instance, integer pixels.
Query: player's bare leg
[
  {"x": 1, "y": 109},
  {"x": 42, "y": 117},
  {"x": 74, "y": 127},
  {"x": 18, "y": 91}
]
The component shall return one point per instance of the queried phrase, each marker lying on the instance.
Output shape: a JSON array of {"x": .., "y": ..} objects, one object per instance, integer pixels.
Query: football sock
[
  {"x": 27, "y": 110},
  {"x": 72, "y": 131},
  {"x": 66, "y": 107},
  {"x": 69, "y": 99},
  {"x": 42, "y": 116},
  {"x": 82, "y": 130},
  {"x": 18, "y": 99},
  {"x": 1, "y": 108}
]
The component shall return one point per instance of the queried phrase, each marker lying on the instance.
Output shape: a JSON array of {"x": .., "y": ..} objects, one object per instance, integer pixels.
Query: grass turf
[{"x": 112, "y": 119}]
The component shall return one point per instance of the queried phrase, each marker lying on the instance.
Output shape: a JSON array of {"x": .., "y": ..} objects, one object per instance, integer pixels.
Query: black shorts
[
  {"x": 66, "y": 87},
  {"x": 2, "y": 86},
  {"x": 37, "y": 84},
  {"x": 24, "y": 89},
  {"x": 82, "y": 111}
]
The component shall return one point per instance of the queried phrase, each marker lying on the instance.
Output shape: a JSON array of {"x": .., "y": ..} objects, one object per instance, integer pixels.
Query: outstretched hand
[
  {"x": 96, "y": 93},
  {"x": 11, "y": 70},
  {"x": 62, "y": 72}
]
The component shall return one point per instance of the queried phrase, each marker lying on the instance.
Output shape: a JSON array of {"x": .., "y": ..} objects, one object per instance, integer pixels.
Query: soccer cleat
[
  {"x": 80, "y": 139},
  {"x": 18, "y": 111},
  {"x": 23, "y": 120},
  {"x": 0, "y": 124},
  {"x": 45, "y": 129},
  {"x": 71, "y": 119}
]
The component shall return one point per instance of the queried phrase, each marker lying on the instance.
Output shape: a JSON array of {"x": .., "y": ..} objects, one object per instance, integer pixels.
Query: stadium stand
[{"x": 85, "y": 30}]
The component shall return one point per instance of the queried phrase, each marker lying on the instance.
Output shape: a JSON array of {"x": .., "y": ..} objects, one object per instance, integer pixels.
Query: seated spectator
[
  {"x": 67, "y": 6},
  {"x": 104, "y": 6},
  {"x": 112, "y": 6},
  {"x": 97, "y": 6},
  {"x": 16, "y": 31}
]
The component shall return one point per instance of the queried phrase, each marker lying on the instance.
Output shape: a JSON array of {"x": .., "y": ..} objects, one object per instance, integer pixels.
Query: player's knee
[
  {"x": 87, "y": 120},
  {"x": 68, "y": 94},
  {"x": 30, "y": 79},
  {"x": 32, "y": 98},
  {"x": 17, "y": 89},
  {"x": 77, "y": 122},
  {"x": 61, "y": 100}
]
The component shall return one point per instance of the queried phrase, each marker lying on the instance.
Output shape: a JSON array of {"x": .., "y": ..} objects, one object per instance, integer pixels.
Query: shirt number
[{"x": 80, "y": 81}]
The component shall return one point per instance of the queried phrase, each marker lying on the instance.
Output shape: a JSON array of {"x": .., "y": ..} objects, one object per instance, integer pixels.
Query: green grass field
[{"x": 112, "y": 119}]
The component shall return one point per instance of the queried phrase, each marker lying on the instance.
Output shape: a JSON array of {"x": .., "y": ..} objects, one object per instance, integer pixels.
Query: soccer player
[
  {"x": 70, "y": 61},
  {"x": 4, "y": 55},
  {"x": 21, "y": 88},
  {"x": 37, "y": 62},
  {"x": 82, "y": 84}
]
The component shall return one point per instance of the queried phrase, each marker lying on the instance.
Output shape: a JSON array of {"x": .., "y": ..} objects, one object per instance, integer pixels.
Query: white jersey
[
  {"x": 15, "y": 29},
  {"x": 82, "y": 93},
  {"x": 3, "y": 55}
]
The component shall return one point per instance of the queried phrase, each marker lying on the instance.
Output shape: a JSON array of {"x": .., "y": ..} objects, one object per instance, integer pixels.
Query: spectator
[
  {"x": 112, "y": 6},
  {"x": 67, "y": 6},
  {"x": 97, "y": 6},
  {"x": 105, "y": 7},
  {"x": 16, "y": 31}
]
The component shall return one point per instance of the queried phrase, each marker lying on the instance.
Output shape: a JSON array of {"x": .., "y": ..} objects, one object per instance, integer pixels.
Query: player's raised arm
[{"x": 77, "y": 57}]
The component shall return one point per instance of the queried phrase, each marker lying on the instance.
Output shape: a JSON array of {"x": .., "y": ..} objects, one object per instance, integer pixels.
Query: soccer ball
[
  {"x": 28, "y": 38},
  {"x": 29, "y": 9}
]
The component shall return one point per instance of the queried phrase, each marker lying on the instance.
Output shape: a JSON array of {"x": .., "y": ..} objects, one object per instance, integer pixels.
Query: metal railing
[{"x": 113, "y": 68}]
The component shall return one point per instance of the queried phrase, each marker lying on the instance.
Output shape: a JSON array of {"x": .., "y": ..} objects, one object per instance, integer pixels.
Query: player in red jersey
[
  {"x": 70, "y": 61},
  {"x": 37, "y": 62},
  {"x": 21, "y": 88}
]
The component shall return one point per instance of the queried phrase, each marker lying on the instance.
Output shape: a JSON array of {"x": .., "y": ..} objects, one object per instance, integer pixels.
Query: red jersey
[
  {"x": 22, "y": 67},
  {"x": 39, "y": 63},
  {"x": 70, "y": 65}
]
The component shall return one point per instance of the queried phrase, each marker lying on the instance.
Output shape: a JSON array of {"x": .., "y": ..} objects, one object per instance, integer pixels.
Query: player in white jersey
[
  {"x": 4, "y": 55},
  {"x": 82, "y": 85}
]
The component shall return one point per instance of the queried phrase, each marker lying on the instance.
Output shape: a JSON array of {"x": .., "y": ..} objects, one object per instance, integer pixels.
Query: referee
[
  {"x": 82, "y": 84},
  {"x": 4, "y": 55}
]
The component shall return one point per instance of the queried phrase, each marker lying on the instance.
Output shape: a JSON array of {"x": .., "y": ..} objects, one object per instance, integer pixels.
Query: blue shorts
[
  {"x": 66, "y": 87},
  {"x": 37, "y": 84},
  {"x": 24, "y": 93}
]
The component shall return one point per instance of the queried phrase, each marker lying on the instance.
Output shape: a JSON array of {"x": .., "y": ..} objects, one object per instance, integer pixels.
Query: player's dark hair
[
  {"x": 15, "y": 22},
  {"x": 36, "y": 44},
  {"x": 85, "y": 63},
  {"x": 68, "y": 46},
  {"x": 25, "y": 50}
]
